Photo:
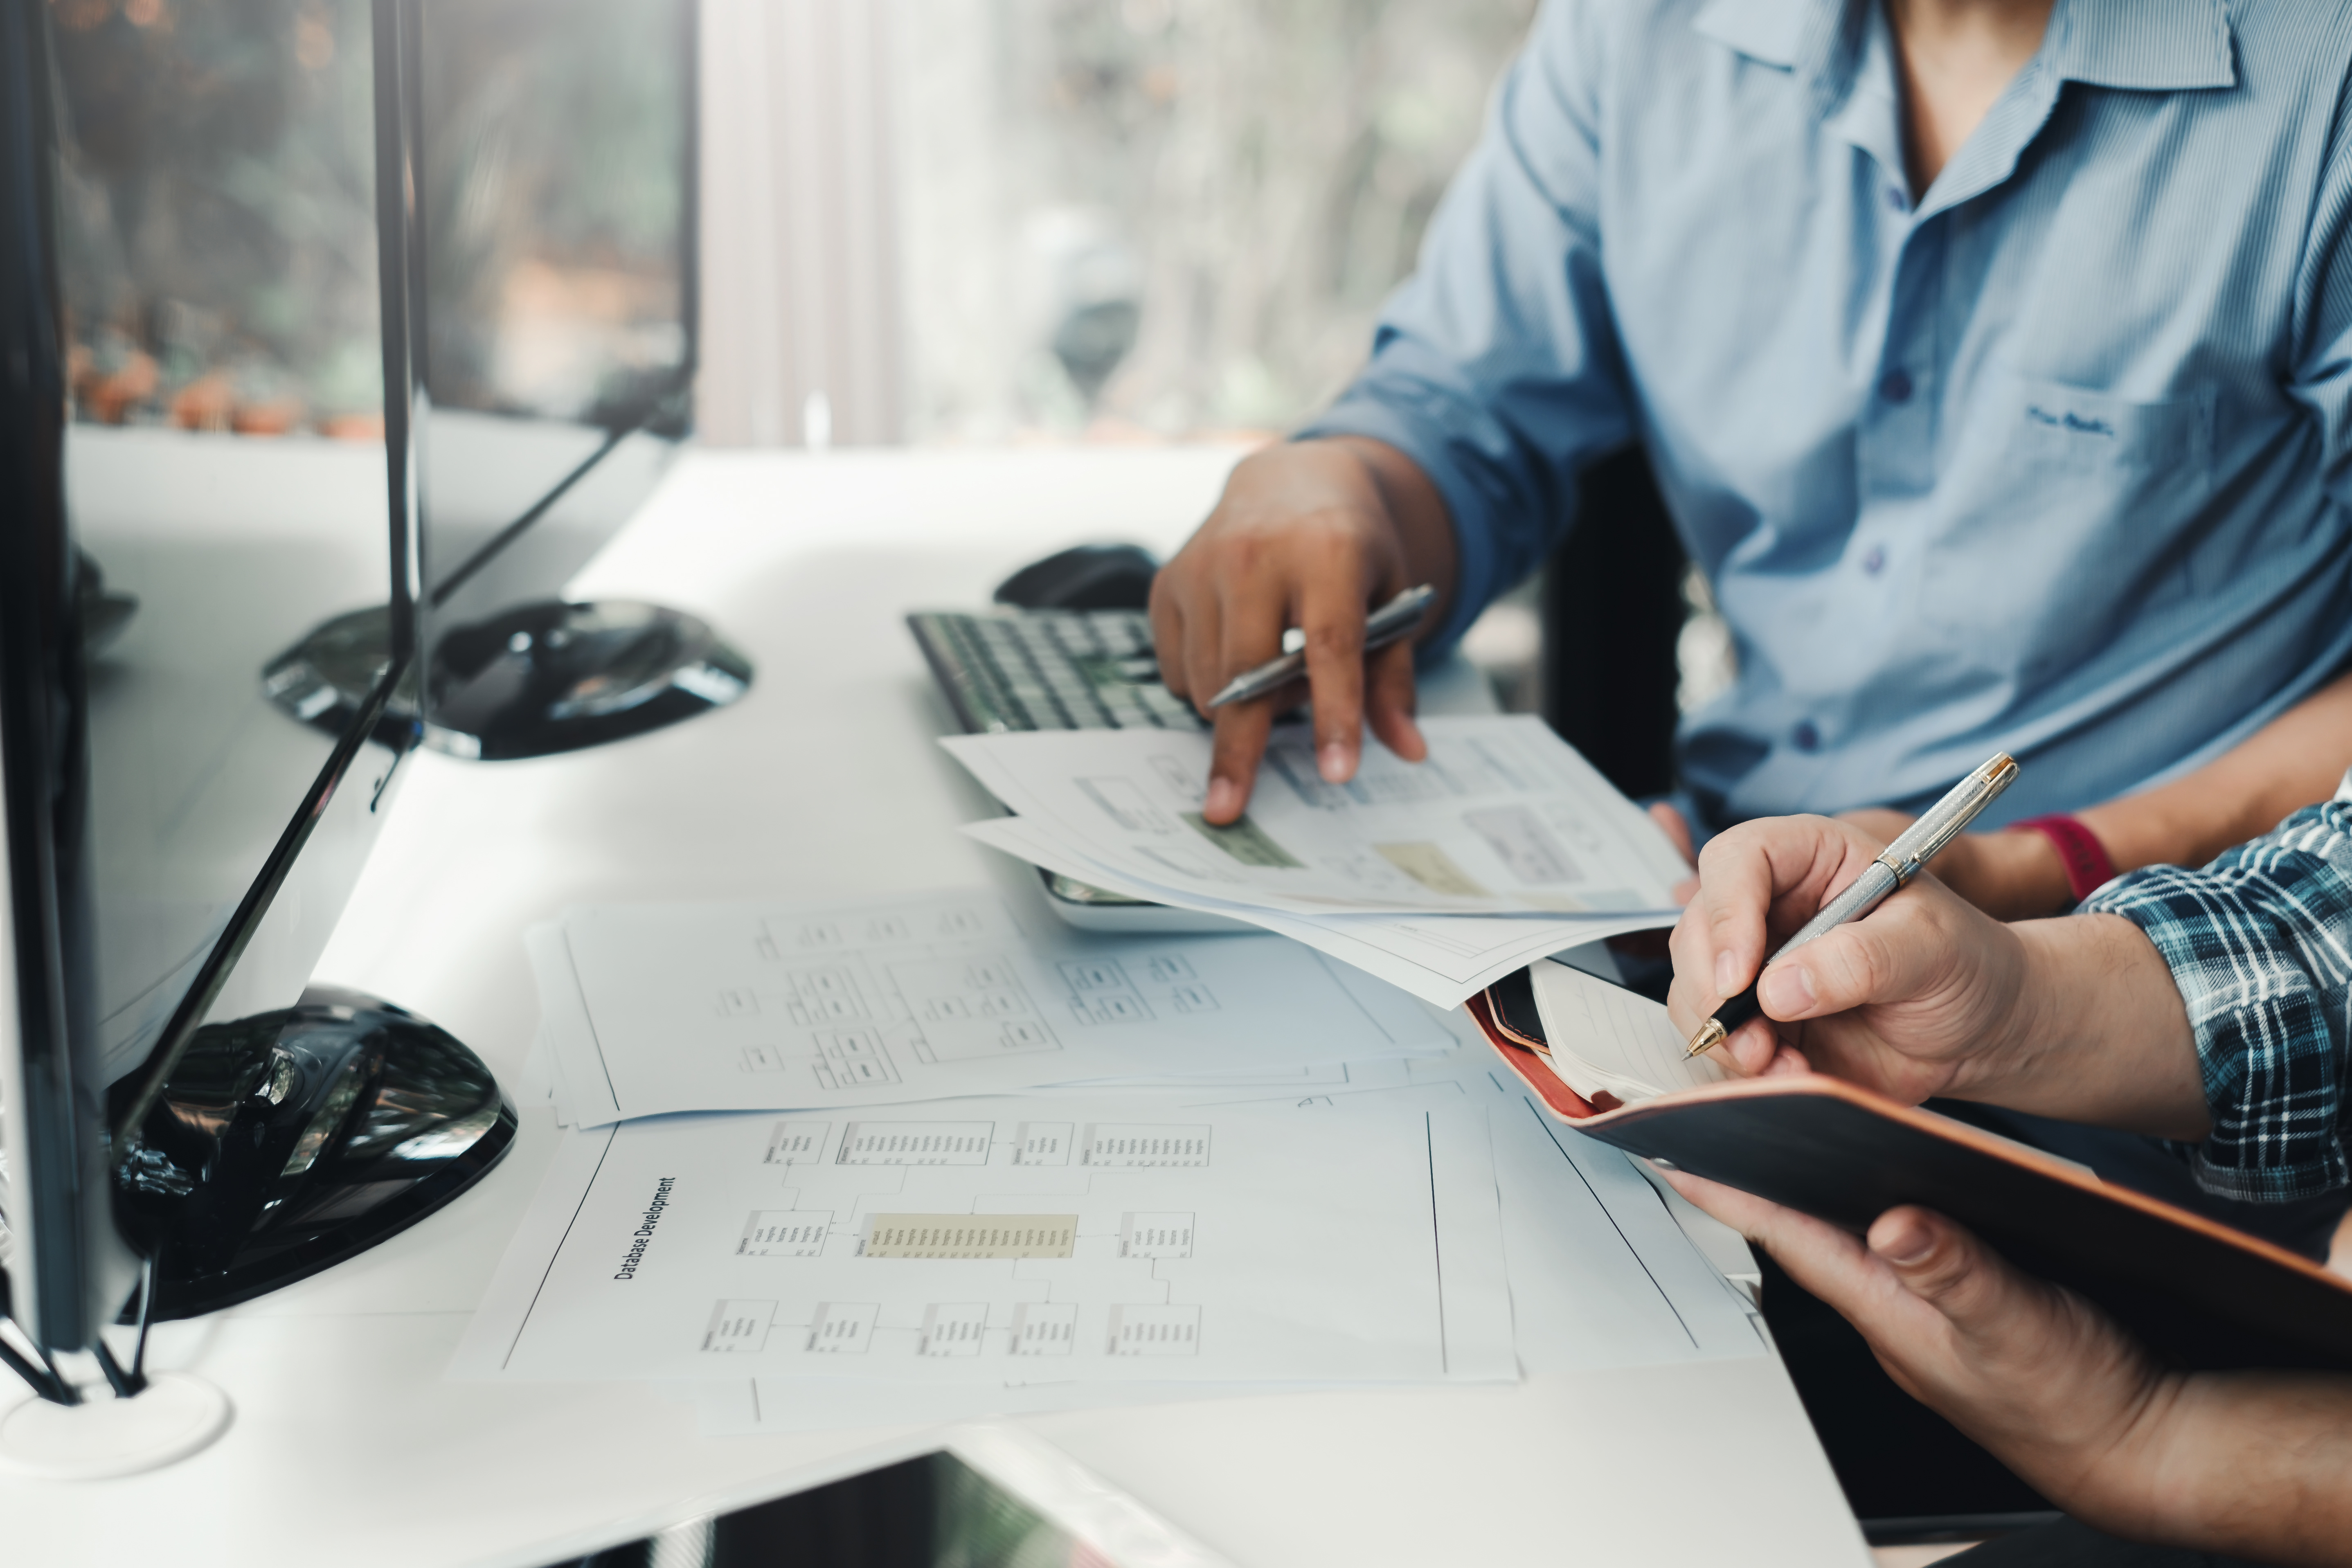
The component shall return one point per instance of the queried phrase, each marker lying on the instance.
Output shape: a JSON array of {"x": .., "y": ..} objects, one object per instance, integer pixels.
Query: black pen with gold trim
[{"x": 1895, "y": 866}]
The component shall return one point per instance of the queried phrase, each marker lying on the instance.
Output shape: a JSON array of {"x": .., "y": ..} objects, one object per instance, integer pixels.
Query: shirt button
[
  {"x": 1875, "y": 561},
  {"x": 1807, "y": 737},
  {"x": 1895, "y": 387},
  {"x": 1896, "y": 199}
]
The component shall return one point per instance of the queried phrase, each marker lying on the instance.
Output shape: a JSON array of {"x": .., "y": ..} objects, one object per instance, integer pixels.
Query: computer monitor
[
  {"x": 183, "y": 1125},
  {"x": 546, "y": 210}
]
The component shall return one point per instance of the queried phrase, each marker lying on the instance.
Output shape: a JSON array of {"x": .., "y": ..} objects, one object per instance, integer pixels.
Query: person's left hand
[{"x": 2047, "y": 1381}]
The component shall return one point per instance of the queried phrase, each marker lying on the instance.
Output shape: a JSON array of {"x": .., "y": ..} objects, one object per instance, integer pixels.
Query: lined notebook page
[{"x": 1606, "y": 1037}]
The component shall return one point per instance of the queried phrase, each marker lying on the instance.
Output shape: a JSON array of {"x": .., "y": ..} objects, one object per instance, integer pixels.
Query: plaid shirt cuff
[{"x": 2259, "y": 942}]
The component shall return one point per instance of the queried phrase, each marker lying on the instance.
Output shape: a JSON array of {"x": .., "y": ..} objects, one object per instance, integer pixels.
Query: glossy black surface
[
  {"x": 533, "y": 680},
  {"x": 553, "y": 676},
  {"x": 287, "y": 1141},
  {"x": 1085, "y": 577}
]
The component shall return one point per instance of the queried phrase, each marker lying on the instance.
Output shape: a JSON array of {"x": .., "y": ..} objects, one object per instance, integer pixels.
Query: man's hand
[
  {"x": 2249, "y": 1463},
  {"x": 2077, "y": 1018},
  {"x": 2036, "y": 1373},
  {"x": 1312, "y": 535},
  {"x": 1905, "y": 1000},
  {"x": 2009, "y": 876}
]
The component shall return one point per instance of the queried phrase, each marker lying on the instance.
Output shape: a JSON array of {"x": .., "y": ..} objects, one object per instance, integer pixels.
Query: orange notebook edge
[{"x": 1568, "y": 1106}]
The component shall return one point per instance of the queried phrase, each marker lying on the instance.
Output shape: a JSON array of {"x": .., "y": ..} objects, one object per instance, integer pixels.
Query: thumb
[{"x": 1948, "y": 1268}]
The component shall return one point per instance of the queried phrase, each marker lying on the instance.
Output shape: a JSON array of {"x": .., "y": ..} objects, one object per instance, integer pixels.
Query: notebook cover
[{"x": 2196, "y": 1292}]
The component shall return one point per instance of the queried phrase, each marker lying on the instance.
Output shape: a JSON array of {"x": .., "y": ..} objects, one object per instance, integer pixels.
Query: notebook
[{"x": 1607, "y": 1062}]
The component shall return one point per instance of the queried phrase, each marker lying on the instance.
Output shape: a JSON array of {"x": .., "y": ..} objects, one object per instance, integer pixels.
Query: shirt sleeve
[
  {"x": 2259, "y": 943},
  {"x": 1494, "y": 367}
]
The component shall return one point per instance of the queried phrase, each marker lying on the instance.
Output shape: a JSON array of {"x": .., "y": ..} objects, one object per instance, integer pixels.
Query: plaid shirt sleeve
[{"x": 2259, "y": 942}]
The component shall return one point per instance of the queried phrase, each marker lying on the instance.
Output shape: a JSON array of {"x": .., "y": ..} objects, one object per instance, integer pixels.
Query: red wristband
[{"x": 2079, "y": 851}]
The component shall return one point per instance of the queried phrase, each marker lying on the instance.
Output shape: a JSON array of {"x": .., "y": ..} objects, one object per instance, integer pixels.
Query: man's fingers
[
  {"x": 1892, "y": 956},
  {"x": 1332, "y": 617},
  {"x": 1239, "y": 742},
  {"x": 1168, "y": 631},
  {"x": 1947, "y": 1267},
  {"x": 1390, "y": 700}
]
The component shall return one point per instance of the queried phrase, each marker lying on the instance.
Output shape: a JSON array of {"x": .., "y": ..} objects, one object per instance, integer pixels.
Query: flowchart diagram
[
  {"x": 657, "y": 1010},
  {"x": 1013, "y": 1241},
  {"x": 819, "y": 1151}
]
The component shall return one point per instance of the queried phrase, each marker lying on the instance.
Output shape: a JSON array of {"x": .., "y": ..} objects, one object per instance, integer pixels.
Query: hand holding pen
[{"x": 1794, "y": 867}]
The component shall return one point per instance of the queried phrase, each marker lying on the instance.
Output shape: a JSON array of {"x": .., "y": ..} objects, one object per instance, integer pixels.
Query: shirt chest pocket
[{"x": 2064, "y": 512}]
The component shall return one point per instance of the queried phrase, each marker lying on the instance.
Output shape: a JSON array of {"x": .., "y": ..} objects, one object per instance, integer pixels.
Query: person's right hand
[
  {"x": 1313, "y": 535},
  {"x": 1917, "y": 999}
]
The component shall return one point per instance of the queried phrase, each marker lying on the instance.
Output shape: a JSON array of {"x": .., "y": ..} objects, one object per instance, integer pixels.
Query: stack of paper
[
  {"x": 907, "y": 1163},
  {"x": 1503, "y": 846},
  {"x": 651, "y": 1009}
]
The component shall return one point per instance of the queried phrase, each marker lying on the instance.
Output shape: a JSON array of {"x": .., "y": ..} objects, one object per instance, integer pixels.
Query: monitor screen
[
  {"x": 224, "y": 468},
  {"x": 556, "y": 321},
  {"x": 191, "y": 208}
]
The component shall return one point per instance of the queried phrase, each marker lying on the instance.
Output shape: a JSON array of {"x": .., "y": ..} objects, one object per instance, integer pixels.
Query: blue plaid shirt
[{"x": 2259, "y": 942}]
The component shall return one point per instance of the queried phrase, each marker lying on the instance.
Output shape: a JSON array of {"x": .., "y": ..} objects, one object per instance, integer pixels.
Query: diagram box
[
  {"x": 853, "y": 1058},
  {"x": 785, "y": 1233},
  {"x": 1045, "y": 1143},
  {"x": 797, "y": 1141},
  {"x": 1169, "y": 969},
  {"x": 843, "y": 1328},
  {"x": 1094, "y": 974},
  {"x": 738, "y": 1002},
  {"x": 1161, "y": 1234},
  {"x": 1155, "y": 1329},
  {"x": 1131, "y": 1144},
  {"x": 1045, "y": 1328},
  {"x": 971, "y": 1235},
  {"x": 738, "y": 1327},
  {"x": 916, "y": 1143},
  {"x": 1110, "y": 1008},
  {"x": 829, "y": 995},
  {"x": 1027, "y": 1034},
  {"x": 763, "y": 1058},
  {"x": 953, "y": 1329}
]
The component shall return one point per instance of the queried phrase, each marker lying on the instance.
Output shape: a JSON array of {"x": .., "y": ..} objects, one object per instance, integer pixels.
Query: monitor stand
[
  {"x": 280, "y": 1144},
  {"x": 287, "y": 1141},
  {"x": 529, "y": 681}
]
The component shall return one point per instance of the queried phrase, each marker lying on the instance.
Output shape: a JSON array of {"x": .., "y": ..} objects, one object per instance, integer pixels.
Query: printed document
[
  {"x": 1009, "y": 1242},
  {"x": 1442, "y": 959},
  {"x": 654, "y": 1009},
  {"x": 1503, "y": 818}
]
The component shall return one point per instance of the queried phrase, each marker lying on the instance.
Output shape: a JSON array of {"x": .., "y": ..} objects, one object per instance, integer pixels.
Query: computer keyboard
[{"x": 1050, "y": 669}]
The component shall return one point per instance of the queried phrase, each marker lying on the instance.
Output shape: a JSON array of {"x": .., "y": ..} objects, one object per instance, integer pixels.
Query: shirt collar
[{"x": 2152, "y": 45}]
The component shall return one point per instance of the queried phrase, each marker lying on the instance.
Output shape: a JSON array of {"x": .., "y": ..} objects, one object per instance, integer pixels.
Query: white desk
[{"x": 349, "y": 1448}]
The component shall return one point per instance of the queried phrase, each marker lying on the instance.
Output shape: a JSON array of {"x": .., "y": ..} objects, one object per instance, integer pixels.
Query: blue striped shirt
[{"x": 2050, "y": 457}]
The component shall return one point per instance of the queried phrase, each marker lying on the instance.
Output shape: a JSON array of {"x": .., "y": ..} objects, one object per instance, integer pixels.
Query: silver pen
[
  {"x": 1395, "y": 619},
  {"x": 1895, "y": 866}
]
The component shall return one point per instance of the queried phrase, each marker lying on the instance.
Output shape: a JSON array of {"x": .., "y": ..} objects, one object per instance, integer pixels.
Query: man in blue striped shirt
[{"x": 1994, "y": 358}]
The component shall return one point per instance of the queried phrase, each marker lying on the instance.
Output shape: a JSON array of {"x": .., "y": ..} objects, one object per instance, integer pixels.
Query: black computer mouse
[{"x": 1089, "y": 577}]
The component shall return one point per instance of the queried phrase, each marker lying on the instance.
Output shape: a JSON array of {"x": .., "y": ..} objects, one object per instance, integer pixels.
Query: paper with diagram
[
  {"x": 1502, "y": 817},
  {"x": 1441, "y": 959},
  {"x": 654, "y": 1009},
  {"x": 1012, "y": 1242}
]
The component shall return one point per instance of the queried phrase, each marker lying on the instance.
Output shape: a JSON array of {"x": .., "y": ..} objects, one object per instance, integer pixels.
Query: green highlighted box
[{"x": 1246, "y": 842}]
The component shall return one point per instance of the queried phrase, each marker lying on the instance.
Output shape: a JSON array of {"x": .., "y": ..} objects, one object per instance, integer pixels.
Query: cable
[
  {"x": 116, "y": 1378},
  {"x": 146, "y": 1319},
  {"x": 42, "y": 1381}
]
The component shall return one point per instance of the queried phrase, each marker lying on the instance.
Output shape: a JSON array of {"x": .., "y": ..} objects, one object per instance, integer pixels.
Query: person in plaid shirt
[{"x": 2209, "y": 1009}]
